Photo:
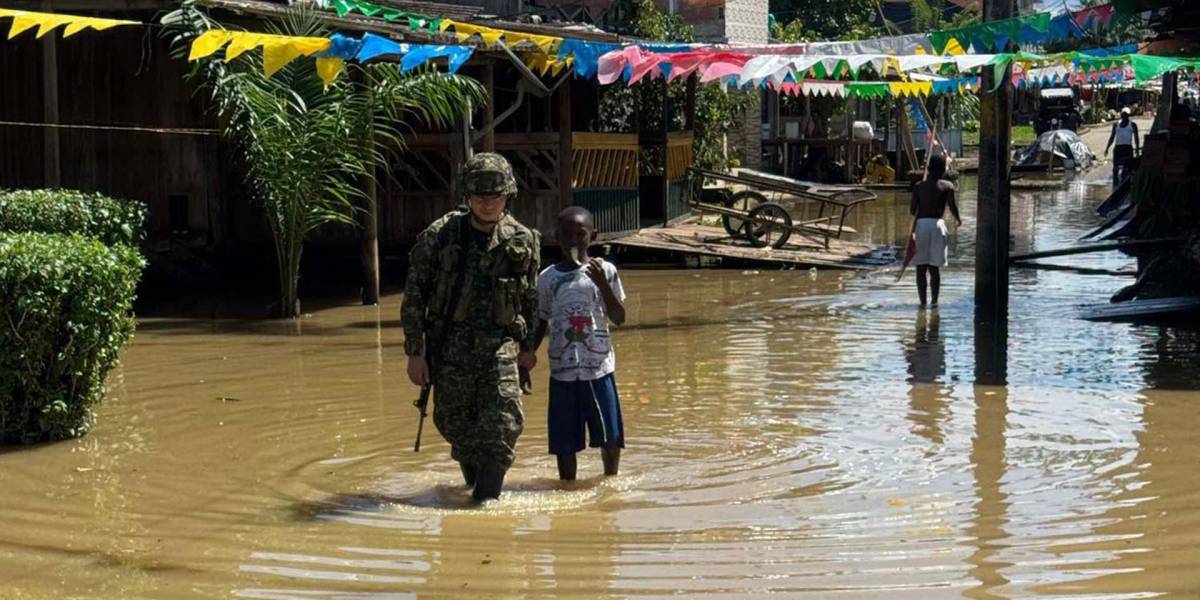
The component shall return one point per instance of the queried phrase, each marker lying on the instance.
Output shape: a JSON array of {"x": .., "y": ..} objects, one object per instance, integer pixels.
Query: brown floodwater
[{"x": 789, "y": 432}]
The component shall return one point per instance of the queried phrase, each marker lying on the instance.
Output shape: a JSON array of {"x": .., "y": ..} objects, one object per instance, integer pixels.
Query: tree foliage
[
  {"x": 626, "y": 108},
  {"x": 822, "y": 20},
  {"x": 306, "y": 149}
]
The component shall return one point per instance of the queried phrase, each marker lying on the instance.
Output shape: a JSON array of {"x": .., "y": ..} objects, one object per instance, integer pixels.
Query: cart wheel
[
  {"x": 744, "y": 201},
  {"x": 769, "y": 224}
]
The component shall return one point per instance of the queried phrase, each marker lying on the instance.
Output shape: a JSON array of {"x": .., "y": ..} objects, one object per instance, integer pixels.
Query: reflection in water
[
  {"x": 791, "y": 433},
  {"x": 926, "y": 354},
  {"x": 987, "y": 529}
]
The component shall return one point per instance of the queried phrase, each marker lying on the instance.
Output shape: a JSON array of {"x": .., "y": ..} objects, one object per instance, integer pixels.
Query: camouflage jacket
[{"x": 498, "y": 289}]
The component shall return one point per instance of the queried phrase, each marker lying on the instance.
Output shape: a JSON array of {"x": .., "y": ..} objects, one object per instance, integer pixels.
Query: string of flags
[
  {"x": 23, "y": 20},
  {"x": 936, "y": 63}
]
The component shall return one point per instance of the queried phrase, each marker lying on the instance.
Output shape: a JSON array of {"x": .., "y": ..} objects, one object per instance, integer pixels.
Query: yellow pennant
[
  {"x": 329, "y": 69},
  {"x": 278, "y": 50},
  {"x": 208, "y": 43},
  {"x": 491, "y": 36},
  {"x": 23, "y": 20},
  {"x": 953, "y": 48}
]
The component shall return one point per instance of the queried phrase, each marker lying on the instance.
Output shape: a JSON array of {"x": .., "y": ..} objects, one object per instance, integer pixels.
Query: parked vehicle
[{"x": 1056, "y": 110}]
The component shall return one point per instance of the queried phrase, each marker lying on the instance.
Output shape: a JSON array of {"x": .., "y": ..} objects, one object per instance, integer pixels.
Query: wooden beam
[
  {"x": 369, "y": 249},
  {"x": 565, "y": 154},
  {"x": 52, "y": 151},
  {"x": 489, "y": 108},
  {"x": 1089, "y": 248},
  {"x": 689, "y": 106}
]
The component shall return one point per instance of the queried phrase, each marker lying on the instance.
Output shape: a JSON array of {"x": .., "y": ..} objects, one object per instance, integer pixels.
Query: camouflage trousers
[{"x": 477, "y": 403}]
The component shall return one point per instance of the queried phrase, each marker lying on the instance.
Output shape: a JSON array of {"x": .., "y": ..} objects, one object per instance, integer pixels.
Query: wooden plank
[
  {"x": 1089, "y": 248},
  {"x": 598, "y": 141},
  {"x": 700, "y": 239},
  {"x": 1133, "y": 309}
]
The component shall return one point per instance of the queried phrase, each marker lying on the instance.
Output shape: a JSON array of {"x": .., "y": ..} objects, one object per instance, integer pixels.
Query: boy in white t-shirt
[{"x": 577, "y": 298}]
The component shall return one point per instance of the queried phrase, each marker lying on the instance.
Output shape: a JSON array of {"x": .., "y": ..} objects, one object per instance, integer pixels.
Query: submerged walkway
[{"x": 800, "y": 251}]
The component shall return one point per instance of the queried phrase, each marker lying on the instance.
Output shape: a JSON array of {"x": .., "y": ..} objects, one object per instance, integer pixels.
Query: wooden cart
[{"x": 749, "y": 214}]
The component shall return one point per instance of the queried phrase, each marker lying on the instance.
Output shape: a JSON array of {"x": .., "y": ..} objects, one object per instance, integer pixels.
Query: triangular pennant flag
[
  {"x": 49, "y": 23},
  {"x": 20, "y": 24},
  {"x": 491, "y": 36},
  {"x": 208, "y": 43},
  {"x": 329, "y": 69},
  {"x": 276, "y": 55},
  {"x": 241, "y": 42}
]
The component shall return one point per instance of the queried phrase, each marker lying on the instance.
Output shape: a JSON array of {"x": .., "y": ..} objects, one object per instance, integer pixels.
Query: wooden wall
[{"x": 118, "y": 77}]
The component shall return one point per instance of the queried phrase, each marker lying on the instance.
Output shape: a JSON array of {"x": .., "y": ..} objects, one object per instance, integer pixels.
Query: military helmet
[{"x": 487, "y": 174}]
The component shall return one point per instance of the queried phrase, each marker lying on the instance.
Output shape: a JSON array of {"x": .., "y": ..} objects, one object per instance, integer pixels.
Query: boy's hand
[
  {"x": 595, "y": 271},
  {"x": 527, "y": 360},
  {"x": 525, "y": 380}
]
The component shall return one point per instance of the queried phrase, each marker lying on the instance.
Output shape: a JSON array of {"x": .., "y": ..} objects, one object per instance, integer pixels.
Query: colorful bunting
[
  {"x": 278, "y": 50},
  {"x": 995, "y": 35},
  {"x": 23, "y": 20},
  {"x": 490, "y": 36},
  {"x": 414, "y": 21}
]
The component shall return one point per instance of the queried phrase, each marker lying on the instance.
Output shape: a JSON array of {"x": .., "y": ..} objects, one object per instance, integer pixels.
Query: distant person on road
[
  {"x": 1125, "y": 134},
  {"x": 930, "y": 199},
  {"x": 578, "y": 298}
]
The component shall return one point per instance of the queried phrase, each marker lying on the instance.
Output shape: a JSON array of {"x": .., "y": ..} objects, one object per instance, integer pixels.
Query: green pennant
[
  {"x": 989, "y": 31},
  {"x": 867, "y": 90}
]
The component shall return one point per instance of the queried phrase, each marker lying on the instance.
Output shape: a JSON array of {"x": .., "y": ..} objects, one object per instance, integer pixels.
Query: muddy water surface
[{"x": 790, "y": 432}]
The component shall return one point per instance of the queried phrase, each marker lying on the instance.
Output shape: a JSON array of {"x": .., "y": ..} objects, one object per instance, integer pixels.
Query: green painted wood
[
  {"x": 615, "y": 210},
  {"x": 677, "y": 201}
]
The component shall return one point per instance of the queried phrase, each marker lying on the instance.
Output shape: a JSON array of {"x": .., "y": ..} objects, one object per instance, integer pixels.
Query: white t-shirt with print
[{"x": 578, "y": 343}]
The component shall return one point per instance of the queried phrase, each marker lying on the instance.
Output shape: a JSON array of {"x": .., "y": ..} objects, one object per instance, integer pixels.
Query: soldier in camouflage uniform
[{"x": 471, "y": 297}]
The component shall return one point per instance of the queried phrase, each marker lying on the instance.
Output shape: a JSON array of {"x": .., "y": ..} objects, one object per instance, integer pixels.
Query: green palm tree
[{"x": 306, "y": 149}]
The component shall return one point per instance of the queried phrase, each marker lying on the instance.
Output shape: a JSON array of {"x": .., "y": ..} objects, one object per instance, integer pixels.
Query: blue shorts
[{"x": 593, "y": 403}]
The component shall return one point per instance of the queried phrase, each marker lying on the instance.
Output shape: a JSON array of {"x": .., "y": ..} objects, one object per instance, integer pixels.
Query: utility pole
[{"x": 992, "y": 227}]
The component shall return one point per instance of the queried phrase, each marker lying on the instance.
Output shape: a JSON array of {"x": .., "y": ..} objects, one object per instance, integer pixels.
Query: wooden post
[
  {"x": 566, "y": 168},
  {"x": 51, "y": 153},
  {"x": 992, "y": 229},
  {"x": 689, "y": 107},
  {"x": 666, "y": 172},
  {"x": 489, "y": 109},
  {"x": 369, "y": 249}
]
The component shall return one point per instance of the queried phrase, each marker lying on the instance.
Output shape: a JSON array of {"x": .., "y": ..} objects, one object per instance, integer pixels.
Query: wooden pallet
[{"x": 701, "y": 240}]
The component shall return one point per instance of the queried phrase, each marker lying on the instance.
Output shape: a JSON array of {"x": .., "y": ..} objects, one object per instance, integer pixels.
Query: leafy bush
[
  {"x": 65, "y": 313},
  {"x": 68, "y": 211}
]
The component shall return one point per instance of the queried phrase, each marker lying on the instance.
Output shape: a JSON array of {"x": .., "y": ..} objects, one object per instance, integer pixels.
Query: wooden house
[{"x": 113, "y": 112}]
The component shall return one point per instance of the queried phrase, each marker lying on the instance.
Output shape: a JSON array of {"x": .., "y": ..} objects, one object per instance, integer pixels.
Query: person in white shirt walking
[{"x": 1125, "y": 134}]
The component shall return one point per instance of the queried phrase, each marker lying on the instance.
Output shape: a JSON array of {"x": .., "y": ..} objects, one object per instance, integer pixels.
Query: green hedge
[
  {"x": 68, "y": 211},
  {"x": 65, "y": 313}
]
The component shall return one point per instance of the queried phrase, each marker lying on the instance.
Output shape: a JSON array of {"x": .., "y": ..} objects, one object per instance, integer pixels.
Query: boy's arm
[
  {"x": 1137, "y": 139},
  {"x": 539, "y": 333},
  {"x": 612, "y": 303},
  {"x": 1111, "y": 136},
  {"x": 545, "y": 301}
]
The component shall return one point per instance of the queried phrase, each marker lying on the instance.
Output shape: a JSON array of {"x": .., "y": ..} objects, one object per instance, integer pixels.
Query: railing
[
  {"x": 604, "y": 160},
  {"x": 605, "y": 179},
  {"x": 679, "y": 160}
]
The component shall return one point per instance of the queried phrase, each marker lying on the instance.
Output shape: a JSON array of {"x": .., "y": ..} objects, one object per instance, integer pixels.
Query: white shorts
[{"x": 931, "y": 243}]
